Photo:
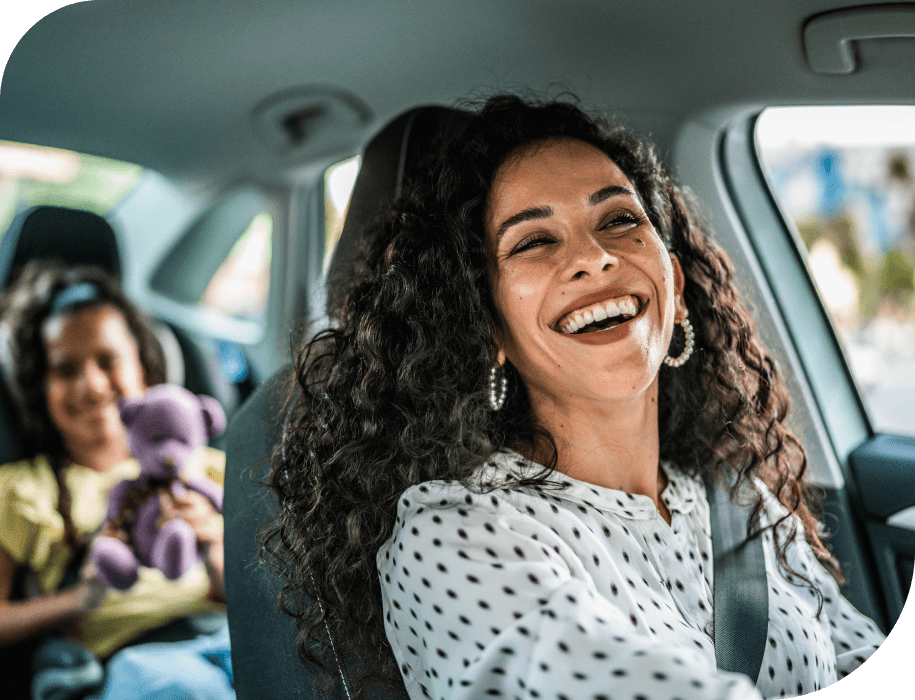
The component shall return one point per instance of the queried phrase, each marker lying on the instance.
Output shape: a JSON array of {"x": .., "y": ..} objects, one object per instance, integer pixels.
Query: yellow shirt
[{"x": 32, "y": 532}]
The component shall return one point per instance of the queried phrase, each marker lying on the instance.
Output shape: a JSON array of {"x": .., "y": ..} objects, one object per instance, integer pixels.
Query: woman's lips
[
  {"x": 607, "y": 335},
  {"x": 593, "y": 316}
]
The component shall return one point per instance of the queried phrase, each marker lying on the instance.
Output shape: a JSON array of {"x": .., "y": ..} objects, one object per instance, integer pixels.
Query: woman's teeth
[{"x": 621, "y": 309}]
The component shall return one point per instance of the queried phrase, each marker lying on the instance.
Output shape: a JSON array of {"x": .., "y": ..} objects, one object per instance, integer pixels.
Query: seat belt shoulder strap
[{"x": 741, "y": 589}]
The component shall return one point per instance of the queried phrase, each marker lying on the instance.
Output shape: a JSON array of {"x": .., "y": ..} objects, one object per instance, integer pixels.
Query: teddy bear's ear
[
  {"x": 213, "y": 414},
  {"x": 129, "y": 409}
]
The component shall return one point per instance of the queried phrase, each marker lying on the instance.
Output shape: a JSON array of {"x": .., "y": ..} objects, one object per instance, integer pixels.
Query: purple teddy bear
[{"x": 163, "y": 427}]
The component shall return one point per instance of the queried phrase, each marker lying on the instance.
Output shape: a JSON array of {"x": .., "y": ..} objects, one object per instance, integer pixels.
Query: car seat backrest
[
  {"x": 73, "y": 235},
  {"x": 264, "y": 658}
]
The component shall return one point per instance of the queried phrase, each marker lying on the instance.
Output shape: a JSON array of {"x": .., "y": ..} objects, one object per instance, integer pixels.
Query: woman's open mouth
[{"x": 601, "y": 316}]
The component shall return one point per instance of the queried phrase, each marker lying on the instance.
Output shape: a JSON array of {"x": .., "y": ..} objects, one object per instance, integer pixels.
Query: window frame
[{"x": 199, "y": 253}]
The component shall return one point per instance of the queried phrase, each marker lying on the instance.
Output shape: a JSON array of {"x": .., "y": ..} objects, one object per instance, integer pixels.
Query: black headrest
[
  {"x": 72, "y": 236},
  {"x": 394, "y": 156}
]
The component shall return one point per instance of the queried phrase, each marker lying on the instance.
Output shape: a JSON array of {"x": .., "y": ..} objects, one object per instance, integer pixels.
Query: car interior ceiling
[
  {"x": 285, "y": 88},
  {"x": 212, "y": 91}
]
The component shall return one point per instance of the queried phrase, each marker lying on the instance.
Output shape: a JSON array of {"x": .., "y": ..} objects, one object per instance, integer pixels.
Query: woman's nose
[{"x": 587, "y": 257}]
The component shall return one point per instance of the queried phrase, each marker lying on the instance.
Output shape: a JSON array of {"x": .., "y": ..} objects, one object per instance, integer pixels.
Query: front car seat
[{"x": 264, "y": 658}]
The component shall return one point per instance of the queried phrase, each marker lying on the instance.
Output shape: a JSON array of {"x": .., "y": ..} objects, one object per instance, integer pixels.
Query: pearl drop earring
[
  {"x": 688, "y": 348},
  {"x": 496, "y": 393}
]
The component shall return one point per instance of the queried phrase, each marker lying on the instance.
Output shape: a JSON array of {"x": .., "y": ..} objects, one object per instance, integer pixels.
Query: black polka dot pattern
[{"x": 586, "y": 592}]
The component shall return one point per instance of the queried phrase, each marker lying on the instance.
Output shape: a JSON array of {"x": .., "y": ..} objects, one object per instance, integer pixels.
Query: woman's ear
[
  {"x": 497, "y": 340},
  {"x": 680, "y": 310}
]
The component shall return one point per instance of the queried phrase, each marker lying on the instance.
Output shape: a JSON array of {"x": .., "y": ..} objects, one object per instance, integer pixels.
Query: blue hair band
[{"x": 71, "y": 296}]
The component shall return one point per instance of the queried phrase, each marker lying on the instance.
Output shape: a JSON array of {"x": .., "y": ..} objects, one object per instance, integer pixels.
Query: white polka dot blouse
[{"x": 586, "y": 592}]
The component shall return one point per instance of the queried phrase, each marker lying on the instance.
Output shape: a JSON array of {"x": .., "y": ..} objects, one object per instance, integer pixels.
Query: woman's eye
[
  {"x": 624, "y": 221},
  {"x": 532, "y": 242}
]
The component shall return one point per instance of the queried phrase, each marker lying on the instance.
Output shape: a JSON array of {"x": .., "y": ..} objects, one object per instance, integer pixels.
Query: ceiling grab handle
[{"x": 828, "y": 37}]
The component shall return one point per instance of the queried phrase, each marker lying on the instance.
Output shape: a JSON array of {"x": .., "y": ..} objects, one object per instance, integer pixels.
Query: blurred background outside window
[
  {"x": 240, "y": 287},
  {"x": 339, "y": 180},
  {"x": 844, "y": 178},
  {"x": 146, "y": 210},
  {"x": 31, "y": 175}
]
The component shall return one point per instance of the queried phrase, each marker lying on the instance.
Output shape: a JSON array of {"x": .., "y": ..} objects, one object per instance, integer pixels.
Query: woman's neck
[{"x": 609, "y": 444}]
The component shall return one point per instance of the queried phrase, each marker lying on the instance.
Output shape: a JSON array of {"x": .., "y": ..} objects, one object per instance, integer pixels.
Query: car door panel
[{"x": 884, "y": 469}]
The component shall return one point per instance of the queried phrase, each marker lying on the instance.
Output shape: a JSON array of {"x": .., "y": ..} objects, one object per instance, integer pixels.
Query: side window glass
[
  {"x": 240, "y": 287},
  {"x": 31, "y": 175},
  {"x": 339, "y": 180},
  {"x": 844, "y": 178}
]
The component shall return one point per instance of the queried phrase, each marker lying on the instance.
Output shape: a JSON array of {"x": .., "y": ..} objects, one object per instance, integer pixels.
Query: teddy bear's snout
[
  {"x": 173, "y": 459},
  {"x": 169, "y": 463}
]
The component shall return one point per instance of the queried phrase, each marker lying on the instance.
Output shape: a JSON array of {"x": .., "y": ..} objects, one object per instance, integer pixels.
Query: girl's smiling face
[
  {"x": 586, "y": 292},
  {"x": 93, "y": 361}
]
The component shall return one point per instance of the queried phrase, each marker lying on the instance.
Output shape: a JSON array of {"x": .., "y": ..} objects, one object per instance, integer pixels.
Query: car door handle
[
  {"x": 829, "y": 37},
  {"x": 904, "y": 519}
]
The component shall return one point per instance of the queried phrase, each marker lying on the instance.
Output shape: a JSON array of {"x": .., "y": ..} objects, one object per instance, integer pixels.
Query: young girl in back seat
[{"x": 77, "y": 346}]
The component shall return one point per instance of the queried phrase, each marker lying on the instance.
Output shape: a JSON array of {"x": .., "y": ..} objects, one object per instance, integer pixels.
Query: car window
[
  {"x": 339, "y": 180},
  {"x": 32, "y": 175},
  {"x": 240, "y": 287},
  {"x": 844, "y": 178}
]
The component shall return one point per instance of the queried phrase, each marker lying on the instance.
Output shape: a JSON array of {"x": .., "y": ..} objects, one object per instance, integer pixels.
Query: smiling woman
[
  {"x": 587, "y": 295},
  {"x": 495, "y": 458}
]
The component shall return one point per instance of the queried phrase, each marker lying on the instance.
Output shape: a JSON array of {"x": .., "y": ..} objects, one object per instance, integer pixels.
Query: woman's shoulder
[
  {"x": 445, "y": 497},
  {"x": 477, "y": 521},
  {"x": 773, "y": 510},
  {"x": 506, "y": 498},
  {"x": 756, "y": 497}
]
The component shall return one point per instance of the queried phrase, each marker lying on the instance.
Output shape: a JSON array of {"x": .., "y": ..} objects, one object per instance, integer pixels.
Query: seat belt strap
[{"x": 741, "y": 590}]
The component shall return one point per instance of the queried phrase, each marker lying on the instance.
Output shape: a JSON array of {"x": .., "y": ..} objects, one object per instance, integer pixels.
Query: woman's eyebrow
[
  {"x": 526, "y": 215},
  {"x": 546, "y": 212},
  {"x": 610, "y": 191}
]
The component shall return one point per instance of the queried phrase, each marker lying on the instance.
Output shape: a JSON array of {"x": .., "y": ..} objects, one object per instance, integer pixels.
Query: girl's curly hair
[
  {"x": 24, "y": 309},
  {"x": 396, "y": 391}
]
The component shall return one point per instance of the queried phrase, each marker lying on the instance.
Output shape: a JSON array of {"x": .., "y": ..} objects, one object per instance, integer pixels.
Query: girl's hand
[
  {"x": 206, "y": 522},
  {"x": 89, "y": 592},
  {"x": 195, "y": 509}
]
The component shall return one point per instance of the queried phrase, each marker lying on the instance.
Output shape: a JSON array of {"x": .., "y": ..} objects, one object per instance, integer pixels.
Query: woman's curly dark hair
[
  {"x": 24, "y": 309},
  {"x": 396, "y": 391}
]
